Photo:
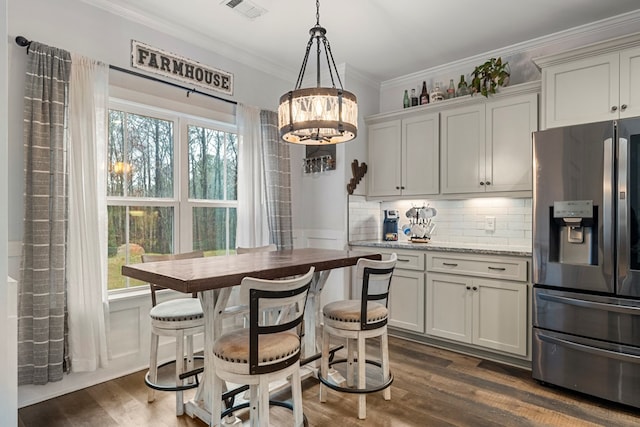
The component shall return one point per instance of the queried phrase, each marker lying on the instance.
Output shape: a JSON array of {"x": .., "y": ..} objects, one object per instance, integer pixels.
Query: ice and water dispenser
[{"x": 574, "y": 232}]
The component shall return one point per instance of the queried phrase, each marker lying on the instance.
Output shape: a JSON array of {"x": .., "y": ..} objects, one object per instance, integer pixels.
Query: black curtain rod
[{"x": 24, "y": 42}]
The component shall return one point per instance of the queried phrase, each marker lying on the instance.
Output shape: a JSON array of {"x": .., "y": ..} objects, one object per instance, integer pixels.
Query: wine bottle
[
  {"x": 463, "y": 89},
  {"x": 451, "y": 90},
  {"x": 424, "y": 95},
  {"x": 405, "y": 102},
  {"x": 414, "y": 98}
]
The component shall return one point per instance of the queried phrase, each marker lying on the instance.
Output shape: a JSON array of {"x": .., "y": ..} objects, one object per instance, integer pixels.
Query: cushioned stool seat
[
  {"x": 177, "y": 310},
  {"x": 346, "y": 314}
]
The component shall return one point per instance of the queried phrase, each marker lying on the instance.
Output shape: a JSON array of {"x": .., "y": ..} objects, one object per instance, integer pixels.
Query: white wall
[{"x": 8, "y": 306}]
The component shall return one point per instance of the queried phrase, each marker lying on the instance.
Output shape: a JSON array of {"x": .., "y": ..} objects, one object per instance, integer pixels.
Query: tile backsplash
[{"x": 457, "y": 220}]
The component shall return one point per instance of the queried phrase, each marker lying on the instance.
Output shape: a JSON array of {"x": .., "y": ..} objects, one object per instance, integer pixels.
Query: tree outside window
[{"x": 153, "y": 196}]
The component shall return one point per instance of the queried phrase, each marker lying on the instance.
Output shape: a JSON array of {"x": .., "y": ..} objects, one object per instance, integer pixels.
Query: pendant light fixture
[{"x": 318, "y": 115}]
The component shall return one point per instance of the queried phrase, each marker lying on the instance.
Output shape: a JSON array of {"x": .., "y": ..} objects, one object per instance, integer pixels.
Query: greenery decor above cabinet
[
  {"x": 404, "y": 156},
  {"x": 594, "y": 83},
  {"x": 487, "y": 147}
]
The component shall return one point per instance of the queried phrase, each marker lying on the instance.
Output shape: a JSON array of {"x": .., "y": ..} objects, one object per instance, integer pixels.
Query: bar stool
[
  {"x": 180, "y": 318},
  {"x": 356, "y": 320},
  {"x": 267, "y": 351}
]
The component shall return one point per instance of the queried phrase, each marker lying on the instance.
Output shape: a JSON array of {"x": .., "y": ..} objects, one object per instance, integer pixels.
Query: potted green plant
[{"x": 491, "y": 75}]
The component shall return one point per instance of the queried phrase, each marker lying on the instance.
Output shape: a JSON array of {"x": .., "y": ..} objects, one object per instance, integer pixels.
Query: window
[{"x": 171, "y": 186}]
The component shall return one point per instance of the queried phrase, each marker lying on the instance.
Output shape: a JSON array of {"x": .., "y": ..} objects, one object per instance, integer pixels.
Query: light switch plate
[{"x": 490, "y": 223}]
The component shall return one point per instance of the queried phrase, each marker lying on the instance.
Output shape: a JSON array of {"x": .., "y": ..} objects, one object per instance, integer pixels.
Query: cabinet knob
[
  {"x": 397, "y": 188},
  {"x": 481, "y": 182},
  {"x": 468, "y": 288},
  {"x": 614, "y": 108},
  {"x": 402, "y": 188},
  {"x": 475, "y": 288},
  {"x": 623, "y": 107},
  {"x": 488, "y": 183}
]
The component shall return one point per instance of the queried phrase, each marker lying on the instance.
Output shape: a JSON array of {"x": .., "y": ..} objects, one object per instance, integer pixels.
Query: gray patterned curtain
[
  {"x": 42, "y": 295},
  {"x": 277, "y": 170}
]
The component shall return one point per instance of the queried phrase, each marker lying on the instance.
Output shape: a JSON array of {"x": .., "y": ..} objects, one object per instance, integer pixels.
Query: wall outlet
[{"x": 490, "y": 223}]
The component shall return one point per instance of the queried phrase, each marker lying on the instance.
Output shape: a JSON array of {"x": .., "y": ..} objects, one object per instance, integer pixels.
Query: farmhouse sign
[{"x": 176, "y": 67}]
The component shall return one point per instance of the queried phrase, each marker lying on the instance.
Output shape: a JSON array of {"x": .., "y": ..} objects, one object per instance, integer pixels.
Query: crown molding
[
  {"x": 124, "y": 10},
  {"x": 627, "y": 22},
  {"x": 607, "y": 46}
]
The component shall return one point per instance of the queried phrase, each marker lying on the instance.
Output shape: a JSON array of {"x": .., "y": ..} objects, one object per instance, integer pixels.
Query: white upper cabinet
[
  {"x": 595, "y": 83},
  {"x": 384, "y": 169},
  {"x": 404, "y": 156},
  {"x": 463, "y": 150},
  {"x": 487, "y": 147},
  {"x": 630, "y": 83},
  {"x": 460, "y": 146}
]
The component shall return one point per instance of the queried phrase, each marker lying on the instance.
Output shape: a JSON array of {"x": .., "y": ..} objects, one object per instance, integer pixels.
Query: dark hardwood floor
[{"x": 432, "y": 387}]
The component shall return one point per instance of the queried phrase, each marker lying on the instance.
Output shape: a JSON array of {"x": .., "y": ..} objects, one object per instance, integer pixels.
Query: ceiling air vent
[{"x": 246, "y": 8}]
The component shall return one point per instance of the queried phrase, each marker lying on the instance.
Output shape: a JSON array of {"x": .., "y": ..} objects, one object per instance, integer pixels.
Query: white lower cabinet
[
  {"x": 406, "y": 296},
  {"x": 478, "y": 306}
]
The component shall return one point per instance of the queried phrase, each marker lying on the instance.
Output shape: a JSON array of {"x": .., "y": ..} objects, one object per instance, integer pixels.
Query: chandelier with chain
[{"x": 318, "y": 115}]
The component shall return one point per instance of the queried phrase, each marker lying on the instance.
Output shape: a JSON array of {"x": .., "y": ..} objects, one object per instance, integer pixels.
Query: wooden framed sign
[{"x": 158, "y": 61}]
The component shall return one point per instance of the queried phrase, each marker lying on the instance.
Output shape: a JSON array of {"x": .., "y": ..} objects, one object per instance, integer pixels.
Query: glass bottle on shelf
[
  {"x": 414, "y": 98},
  {"x": 424, "y": 95},
  {"x": 463, "y": 89},
  {"x": 451, "y": 90},
  {"x": 405, "y": 102},
  {"x": 436, "y": 94}
]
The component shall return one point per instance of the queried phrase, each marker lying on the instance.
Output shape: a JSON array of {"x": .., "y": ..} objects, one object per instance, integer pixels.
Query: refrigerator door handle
[
  {"x": 608, "y": 180},
  {"x": 623, "y": 212},
  {"x": 634, "y": 311},
  {"x": 625, "y": 357}
]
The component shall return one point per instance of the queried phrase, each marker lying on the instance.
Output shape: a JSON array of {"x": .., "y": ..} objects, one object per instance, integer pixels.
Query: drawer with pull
[
  {"x": 408, "y": 260},
  {"x": 479, "y": 266}
]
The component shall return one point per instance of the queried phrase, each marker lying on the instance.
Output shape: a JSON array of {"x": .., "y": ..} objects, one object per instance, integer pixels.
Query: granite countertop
[{"x": 460, "y": 247}]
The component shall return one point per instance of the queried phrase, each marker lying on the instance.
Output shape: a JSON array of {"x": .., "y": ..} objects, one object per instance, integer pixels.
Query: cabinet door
[
  {"x": 500, "y": 315},
  {"x": 463, "y": 150},
  {"x": 384, "y": 159},
  {"x": 581, "y": 91},
  {"x": 630, "y": 83},
  {"x": 449, "y": 306},
  {"x": 421, "y": 155},
  {"x": 510, "y": 123},
  {"x": 406, "y": 300}
]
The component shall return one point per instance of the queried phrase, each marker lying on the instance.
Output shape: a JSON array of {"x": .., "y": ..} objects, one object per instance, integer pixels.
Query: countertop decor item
[
  {"x": 491, "y": 75},
  {"x": 318, "y": 115}
]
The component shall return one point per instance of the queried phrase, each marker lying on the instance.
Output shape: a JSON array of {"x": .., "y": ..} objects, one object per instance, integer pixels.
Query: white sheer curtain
[
  {"x": 87, "y": 229},
  {"x": 253, "y": 225}
]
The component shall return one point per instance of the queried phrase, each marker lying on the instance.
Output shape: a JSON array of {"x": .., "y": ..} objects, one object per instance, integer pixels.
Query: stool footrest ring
[
  {"x": 355, "y": 390},
  {"x": 193, "y": 373}
]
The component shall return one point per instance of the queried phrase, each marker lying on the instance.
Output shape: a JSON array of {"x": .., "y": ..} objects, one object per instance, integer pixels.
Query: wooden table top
[{"x": 201, "y": 274}]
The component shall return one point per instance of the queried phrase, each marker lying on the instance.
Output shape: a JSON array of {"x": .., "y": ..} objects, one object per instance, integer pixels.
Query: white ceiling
[{"x": 382, "y": 38}]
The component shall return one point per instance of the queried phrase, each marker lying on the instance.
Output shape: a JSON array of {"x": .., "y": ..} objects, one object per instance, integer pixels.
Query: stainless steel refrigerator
[{"x": 586, "y": 259}]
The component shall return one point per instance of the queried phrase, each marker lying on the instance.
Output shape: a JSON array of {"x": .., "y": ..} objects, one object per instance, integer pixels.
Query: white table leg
[
  {"x": 311, "y": 344},
  {"x": 212, "y": 302}
]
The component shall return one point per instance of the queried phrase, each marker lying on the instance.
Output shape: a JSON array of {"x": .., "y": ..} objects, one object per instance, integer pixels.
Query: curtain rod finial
[{"x": 22, "y": 41}]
